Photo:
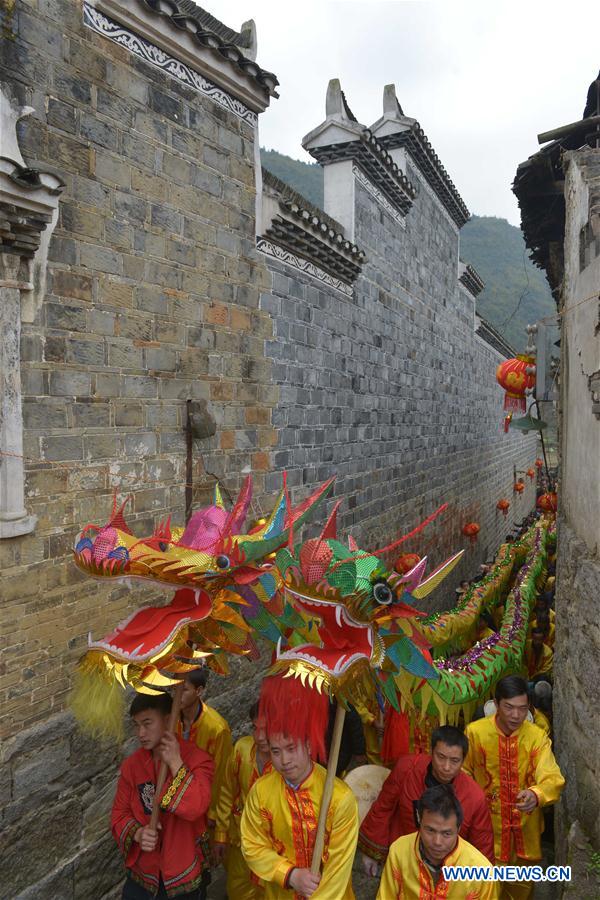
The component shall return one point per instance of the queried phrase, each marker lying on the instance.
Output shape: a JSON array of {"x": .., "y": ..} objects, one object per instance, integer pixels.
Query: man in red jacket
[
  {"x": 168, "y": 861},
  {"x": 394, "y": 813}
]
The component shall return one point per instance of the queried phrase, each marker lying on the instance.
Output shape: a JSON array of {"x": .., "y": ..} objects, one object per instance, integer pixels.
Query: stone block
[
  {"x": 128, "y": 414},
  {"x": 114, "y": 106},
  {"x": 114, "y": 292},
  {"x": 182, "y": 253},
  {"x": 36, "y": 844},
  {"x": 68, "y": 318},
  {"x": 215, "y": 159},
  {"x": 112, "y": 169},
  {"x": 166, "y": 218},
  {"x": 62, "y": 250},
  {"x": 72, "y": 87},
  {"x": 67, "y": 154},
  {"x": 165, "y": 105},
  {"x": 130, "y": 207},
  {"x": 148, "y": 186},
  {"x": 98, "y": 132},
  {"x": 91, "y": 413},
  {"x": 62, "y": 447},
  {"x": 139, "y": 386},
  {"x": 61, "y": 115},
  {"x": 122, "y": 355},
  {"x": 107, "y": 385},
  {"x": 100, "y": 258},
  {"x": 42, "y": 413},
  {"x": 35, "y": 774},
  {"x": 140, "y": 445},
  {"x": 160, "y": 359},
  {"x": 101, "y": 446},
  {"x": 71, "y": 284},
  {"x": 81, "y": 221},
  {"x": 100, "y": 321},
  {"x": 85, "y": 352}
]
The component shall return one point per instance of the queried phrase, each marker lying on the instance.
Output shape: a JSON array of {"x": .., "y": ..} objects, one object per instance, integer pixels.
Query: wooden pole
[
  {"x": 334, "y": 753},
  {"x": 162, "y": 772}
]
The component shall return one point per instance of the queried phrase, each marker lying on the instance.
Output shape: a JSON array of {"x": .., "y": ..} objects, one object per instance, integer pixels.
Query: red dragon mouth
[
  {"x": 149, "y": 631},
  {"x": 344, "y": 641}
]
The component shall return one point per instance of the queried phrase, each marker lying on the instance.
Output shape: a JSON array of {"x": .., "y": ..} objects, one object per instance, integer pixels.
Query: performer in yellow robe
[
  {"x": 407, "y": 877},
  {"x": 249, "y": 760},
  {"x": 278, "y": 829},
  {"x": 538, "y": 658},
  {"x": 512, "y": 761},
  {"x": 207, "y": 729},
  {"x": 372, "y": 720},
  {"x": 414, "y": 868}
]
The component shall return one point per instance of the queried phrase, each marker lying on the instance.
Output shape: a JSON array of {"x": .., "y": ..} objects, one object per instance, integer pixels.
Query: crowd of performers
[{"x": 470, "y": 795}]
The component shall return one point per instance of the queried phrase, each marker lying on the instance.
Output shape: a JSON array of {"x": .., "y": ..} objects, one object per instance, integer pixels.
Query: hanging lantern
[
  {"x": 539, "y": 463},
  {"x": 518, "y": 487},
  {"x": 514, "y": 377},
  {"x": 547, "y": 502},
  {"x": 503, "y": 505},
  {"x": 531, "y": 474},
  {"x": 406, "y": 562},
  {"x": 471, "y": 530}
]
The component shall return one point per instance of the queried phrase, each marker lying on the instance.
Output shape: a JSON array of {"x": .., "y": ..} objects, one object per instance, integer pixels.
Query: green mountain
[{"x": 516, "y": 292}]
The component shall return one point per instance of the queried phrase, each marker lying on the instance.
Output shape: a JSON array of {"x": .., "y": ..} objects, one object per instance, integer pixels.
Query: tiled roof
[
  {"x": 213, "y": 34},
  {"x": 416, "y": 142},
  {"x": 377, "y": 164},
  {"x": 492, "y": 337},
  {"x": 471, "y": 279},
  {"x": 308, "y": 231}
]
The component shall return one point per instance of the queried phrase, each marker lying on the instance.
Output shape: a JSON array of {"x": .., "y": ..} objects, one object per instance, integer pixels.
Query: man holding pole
[
  {"x": 165, "y": 859},
  {"x": 294, "y": 838}
]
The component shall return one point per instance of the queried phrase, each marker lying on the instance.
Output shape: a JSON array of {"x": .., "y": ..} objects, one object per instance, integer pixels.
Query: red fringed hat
[{"x": 301, "y": 713}]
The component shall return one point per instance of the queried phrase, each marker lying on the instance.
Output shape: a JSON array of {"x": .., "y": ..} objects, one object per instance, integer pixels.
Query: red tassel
[{"x": 287, "y": 707}]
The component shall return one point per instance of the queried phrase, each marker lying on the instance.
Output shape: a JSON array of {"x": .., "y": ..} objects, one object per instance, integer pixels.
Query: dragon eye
[
  {"x": 222, "y": 562},
  {"x": 163, "y": 546},
  {"x": 383, "y": 594}
]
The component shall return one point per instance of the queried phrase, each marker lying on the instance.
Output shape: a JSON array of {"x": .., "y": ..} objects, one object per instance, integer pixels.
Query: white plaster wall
[{"x": 580, "y": 344}]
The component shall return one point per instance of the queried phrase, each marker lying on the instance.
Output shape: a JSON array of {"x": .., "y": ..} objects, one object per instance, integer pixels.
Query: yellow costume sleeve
[
  {"x": 337, "y": 868},
  {"x": 469, "y": 760},
  {"x": 257, "y": 845},
  {"x": 222, "y": 755},
  {"x": 224, "y": 800},
  {"x": 549, "y": 780},
  {"x": 391, "y": 879}
]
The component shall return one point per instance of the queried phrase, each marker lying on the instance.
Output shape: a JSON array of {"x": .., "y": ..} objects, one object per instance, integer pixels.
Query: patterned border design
[
  {"x": 379, "y": 197},
  {"x": 303, "y": 265},
  {"x": 157, "y": 57}
]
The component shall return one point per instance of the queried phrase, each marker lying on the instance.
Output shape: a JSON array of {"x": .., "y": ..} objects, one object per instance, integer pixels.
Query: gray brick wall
[{"x": 392, "y": 391}]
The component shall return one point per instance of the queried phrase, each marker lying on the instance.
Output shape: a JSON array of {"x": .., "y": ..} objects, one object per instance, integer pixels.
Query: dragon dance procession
[
  {"x": 373, "y": 717},
  {"x": 299, "y": 451}
]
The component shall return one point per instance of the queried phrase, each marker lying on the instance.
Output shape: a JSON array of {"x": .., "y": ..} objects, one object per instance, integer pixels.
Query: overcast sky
[{"x": 483, "y": 78}]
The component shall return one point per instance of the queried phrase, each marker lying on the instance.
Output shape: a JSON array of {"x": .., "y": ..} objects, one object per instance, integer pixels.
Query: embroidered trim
[
  {"x": 172, "y": 790},
  {"x": 157, "y": 57},
  {"x": 278, "y": 845},
  {"x": 127, "y": 835},
  {"x": 186, "y": 785},
  {"x": 508, "y": 765},
  {"x": 375, "y": 851},
  {"x": 303, "y": 265}
]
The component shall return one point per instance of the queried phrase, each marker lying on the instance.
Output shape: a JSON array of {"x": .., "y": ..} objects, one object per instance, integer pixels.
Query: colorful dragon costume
[{"x": 213, "y": 565}]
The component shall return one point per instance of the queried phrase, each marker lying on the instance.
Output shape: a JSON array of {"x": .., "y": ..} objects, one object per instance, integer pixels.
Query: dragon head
[{"x": 360, "y": 613}]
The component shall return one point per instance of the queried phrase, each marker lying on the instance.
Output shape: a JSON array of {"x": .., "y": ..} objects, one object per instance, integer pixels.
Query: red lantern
[
  {"x": 504, "y": 505},
  {"x": 547, "y": 502},
  {"x": 406, "y": 562},
  {"x": 512, "y": 375},
  {"x": 531, "y": 473},
  {"x": 539, "y": 463},
  {"x": 518, "y": 487},
  {"x": 471, "y": 530}
]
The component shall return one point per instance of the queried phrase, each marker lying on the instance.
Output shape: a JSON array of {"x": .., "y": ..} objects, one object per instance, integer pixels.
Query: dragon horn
[
  {"x": 218, "y": 497},
  {"x": 436, "y": 577},
  {"x": 352, "y": 545},
  {"x": 256, "y": 549},
  {"x": 237, "y": 517},
  {"x": 330, "y": 529}
]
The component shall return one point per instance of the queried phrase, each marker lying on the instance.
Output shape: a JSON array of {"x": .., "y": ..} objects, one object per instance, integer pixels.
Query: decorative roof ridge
[
  {"x": 212, "y": 34},
  {"x": 395, "y": 129},
  {"x": 491, "y": 336},
  {"x": 292, "y": 195},
  {"x": 471, "y": 279}
]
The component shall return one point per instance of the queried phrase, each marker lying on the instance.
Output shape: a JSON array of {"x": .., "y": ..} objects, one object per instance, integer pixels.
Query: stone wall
[
  {"x": 393, "y": 391},
  {"x": 577, "y": 656}
]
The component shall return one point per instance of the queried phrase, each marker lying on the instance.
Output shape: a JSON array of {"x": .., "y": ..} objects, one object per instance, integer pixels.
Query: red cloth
[
  {"x": 396, "y": 736},
  {"x": 392, "y": 815},
  {"x": 178, "y": 857}
]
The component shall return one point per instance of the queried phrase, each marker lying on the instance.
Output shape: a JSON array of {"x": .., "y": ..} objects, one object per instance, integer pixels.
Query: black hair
[
  {"x": 442, "y": 800},
  {"x": 162, "y": 703},
  {"x": 454, "y": 737},
  {"x": 510, "y": 686},
  {"x": 253, "y": 712},
  {"x": 198, "y": 677}
]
